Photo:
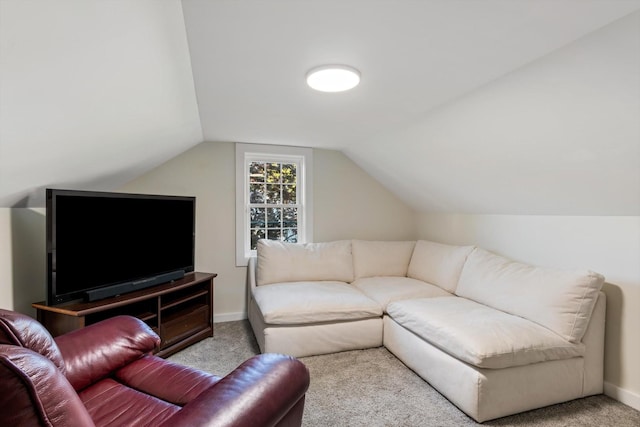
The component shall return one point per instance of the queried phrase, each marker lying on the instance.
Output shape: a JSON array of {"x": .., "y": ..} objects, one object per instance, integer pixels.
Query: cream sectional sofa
[{"x": 494, "y": 336}]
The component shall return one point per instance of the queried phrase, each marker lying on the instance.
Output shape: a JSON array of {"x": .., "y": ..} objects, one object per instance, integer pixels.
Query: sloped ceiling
[
  {"x": 92, "y": 94},
  {"x": 490, "y": 106}
]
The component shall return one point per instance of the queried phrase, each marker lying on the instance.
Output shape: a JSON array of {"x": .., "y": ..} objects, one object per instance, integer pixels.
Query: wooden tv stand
[{"x": 180, "y": 312}]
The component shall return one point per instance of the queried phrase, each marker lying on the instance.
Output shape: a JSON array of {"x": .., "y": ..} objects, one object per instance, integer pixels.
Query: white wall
[
  {"x": 22, "y": 258},
  {"x": 6, "y": 257},
  {"x": 608, "y": 245},
  {"x": 347, "y": 204},
  {"x": 350, "y": 204},
  {"x": 92, "y": 93}
]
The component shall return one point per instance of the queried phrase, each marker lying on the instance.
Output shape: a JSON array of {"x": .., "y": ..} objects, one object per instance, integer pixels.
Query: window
[{"x": 273, "y": 197}]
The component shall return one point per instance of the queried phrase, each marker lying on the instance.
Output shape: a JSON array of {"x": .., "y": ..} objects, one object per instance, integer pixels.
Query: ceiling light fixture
[{"x": 333, "y": 78}]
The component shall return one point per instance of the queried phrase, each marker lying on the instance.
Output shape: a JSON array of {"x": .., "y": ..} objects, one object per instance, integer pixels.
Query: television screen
[{"x": 97, "y": 240}]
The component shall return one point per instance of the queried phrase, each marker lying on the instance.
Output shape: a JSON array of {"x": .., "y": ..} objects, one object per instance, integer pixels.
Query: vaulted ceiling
[{"x": 468, "y": 106}]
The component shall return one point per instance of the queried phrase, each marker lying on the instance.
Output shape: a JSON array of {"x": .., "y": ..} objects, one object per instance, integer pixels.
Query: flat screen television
[{"x": 102, "y": 244}]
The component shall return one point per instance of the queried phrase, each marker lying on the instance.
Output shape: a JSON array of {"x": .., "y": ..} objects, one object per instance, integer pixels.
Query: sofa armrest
[
  {"x": 251, "y": 279},
  {"x": 251, "y": 272},
  {"x": 93, "y": 352},
  {"x": 260, "y": 392}
]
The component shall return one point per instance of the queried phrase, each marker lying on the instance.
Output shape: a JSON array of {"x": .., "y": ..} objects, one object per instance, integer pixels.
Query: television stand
[{"x": 180, "y": 312}]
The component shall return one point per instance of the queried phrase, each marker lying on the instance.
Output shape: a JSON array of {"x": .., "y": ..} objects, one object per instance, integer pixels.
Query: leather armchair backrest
[
  {"x": 23, "y": 331},
  {"x": 33, "y": 392}
]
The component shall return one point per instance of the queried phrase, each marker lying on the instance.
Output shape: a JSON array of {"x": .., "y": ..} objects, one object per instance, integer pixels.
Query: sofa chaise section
[
  {"x": 515, "y": 338},
  {"x": 485, "y": 393}
]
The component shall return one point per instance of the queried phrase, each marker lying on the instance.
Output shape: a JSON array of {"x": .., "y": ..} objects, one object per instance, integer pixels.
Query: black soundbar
[{"x": 136, "y": 285}]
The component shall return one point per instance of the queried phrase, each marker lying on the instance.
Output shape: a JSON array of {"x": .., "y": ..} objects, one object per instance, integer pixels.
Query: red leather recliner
[{"x": 105, "y": 375}]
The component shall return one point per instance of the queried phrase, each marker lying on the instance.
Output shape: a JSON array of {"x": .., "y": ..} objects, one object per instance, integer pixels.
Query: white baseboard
[
  {"x": 627, "y": 397},
  {"x": 229, "y": 317}
]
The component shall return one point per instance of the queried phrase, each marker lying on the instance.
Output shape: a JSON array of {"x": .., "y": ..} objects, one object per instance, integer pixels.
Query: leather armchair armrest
[
  {"x": 260, "y": 392},
  {"x": 165, "y": 380},
  {"x": 93, "y": 352}
]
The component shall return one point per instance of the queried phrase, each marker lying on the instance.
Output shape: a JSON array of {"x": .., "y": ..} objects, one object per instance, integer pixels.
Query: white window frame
[{"x": 246, "y": 153}]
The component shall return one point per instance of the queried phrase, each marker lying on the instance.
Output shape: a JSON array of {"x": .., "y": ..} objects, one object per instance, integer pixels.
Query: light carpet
[{"x": 372, "y": 388}]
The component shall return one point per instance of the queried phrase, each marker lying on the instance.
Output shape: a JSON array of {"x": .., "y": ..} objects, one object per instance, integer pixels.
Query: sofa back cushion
[
  {"x": 559, "y": 300},
  {"x": 377, "y": 258},
  {"x": 438, "y": 264},
  {"x": 296, "y": 262}
]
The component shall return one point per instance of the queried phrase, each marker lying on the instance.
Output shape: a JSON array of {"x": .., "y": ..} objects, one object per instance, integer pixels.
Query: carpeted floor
[{"x": 372, "y": 388}]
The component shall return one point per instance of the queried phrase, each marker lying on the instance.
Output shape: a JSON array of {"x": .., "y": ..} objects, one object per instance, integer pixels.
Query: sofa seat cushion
[
  {"x": 312, "y": 302},
  {"x": 111, "y": 403},
  {"x": 561, "y": 300},
  {"x": 479, "y": 335},
  {"x": 385, "y": 290}
]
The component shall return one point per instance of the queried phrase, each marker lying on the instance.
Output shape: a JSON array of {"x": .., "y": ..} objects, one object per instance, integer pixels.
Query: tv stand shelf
[{"x": 180, "y": 312}]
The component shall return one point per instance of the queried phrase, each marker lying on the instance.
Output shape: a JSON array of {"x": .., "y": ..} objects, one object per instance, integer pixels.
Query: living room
[{"x": 528, "y": 147}]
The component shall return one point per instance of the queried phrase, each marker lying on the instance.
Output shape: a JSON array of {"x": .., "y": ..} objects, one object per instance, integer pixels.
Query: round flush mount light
[{"x": 333, "y": 78}]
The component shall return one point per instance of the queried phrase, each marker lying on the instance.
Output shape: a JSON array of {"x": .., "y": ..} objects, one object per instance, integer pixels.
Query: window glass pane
[
  {"x": 290, "y": 217},
  {"x": 256, "y": 193},
  {"x": 256, "y": 172},
  {"x": 255, "y": 236},
  {"x": 290, "y": 235},
  {"x": 289, "y": 194},
  {"x": 274, "y": 216},
  {"x": 273, "y": 193},
  {"x": 273, "y": 172},
  {"x": 289, "y": 173},
  {"x": 274, "y": 234},
  {"x": 257, "y": 217}
]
